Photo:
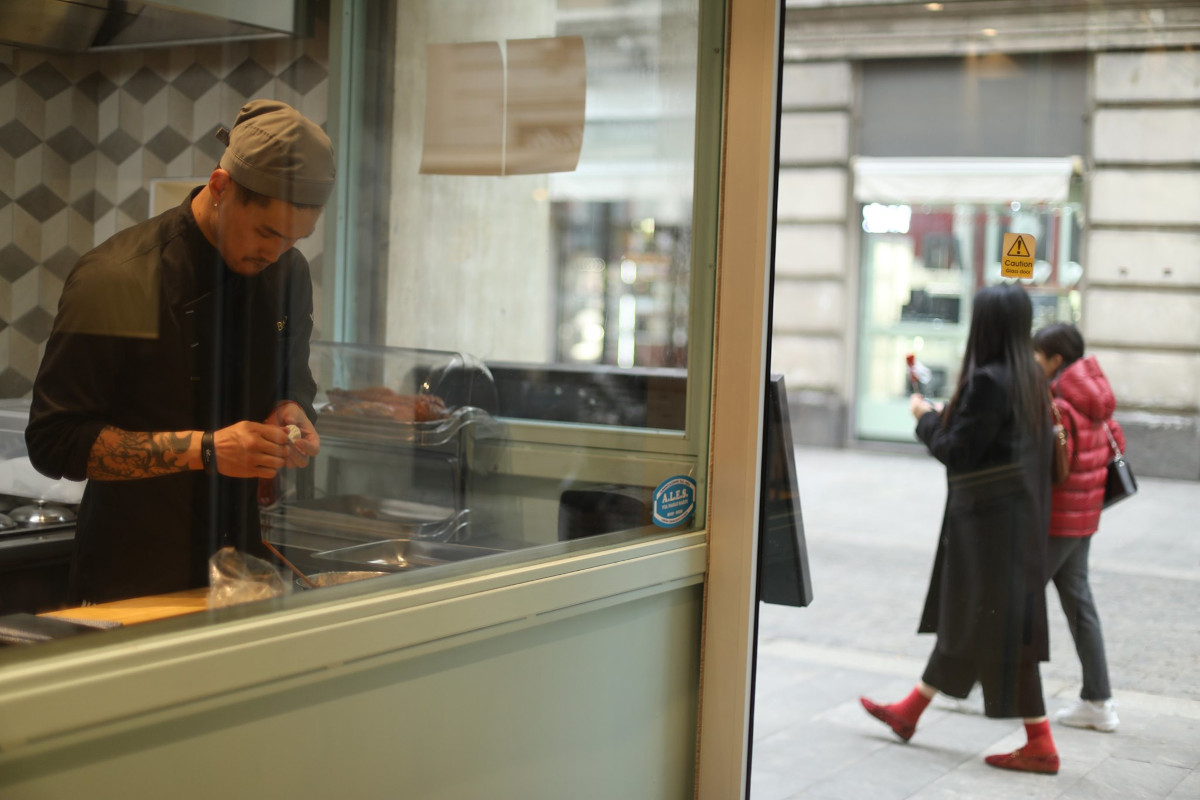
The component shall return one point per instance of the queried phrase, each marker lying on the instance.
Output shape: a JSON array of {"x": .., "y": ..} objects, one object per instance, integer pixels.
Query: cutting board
[{"x": 139, "y": 609}]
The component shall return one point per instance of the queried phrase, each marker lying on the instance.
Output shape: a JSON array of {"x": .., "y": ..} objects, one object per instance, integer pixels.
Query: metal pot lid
[
  {"x": 41, "y": 513},
  {"x": 7, "y": 523}
]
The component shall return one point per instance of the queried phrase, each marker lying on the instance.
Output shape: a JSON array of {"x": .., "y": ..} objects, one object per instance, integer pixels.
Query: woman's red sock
[
  {"x": 910, "y": 708},
  {"x": 1040, "y": 743}
]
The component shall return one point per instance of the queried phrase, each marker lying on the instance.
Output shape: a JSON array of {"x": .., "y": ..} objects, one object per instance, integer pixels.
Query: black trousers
[{"x": 1010, "y": 689}]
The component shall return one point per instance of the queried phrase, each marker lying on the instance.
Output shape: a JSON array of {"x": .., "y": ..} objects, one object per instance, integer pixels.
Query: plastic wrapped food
[{"x": 235, "y": 577}]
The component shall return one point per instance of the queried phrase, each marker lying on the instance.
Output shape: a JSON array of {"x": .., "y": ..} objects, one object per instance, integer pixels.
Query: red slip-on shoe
[
  {"x": 901, "y": 727},
  {"x": 1025, "y": 762}
]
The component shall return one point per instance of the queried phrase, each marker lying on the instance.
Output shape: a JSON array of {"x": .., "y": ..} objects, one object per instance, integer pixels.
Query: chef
[{"x": 179, "y": 359}]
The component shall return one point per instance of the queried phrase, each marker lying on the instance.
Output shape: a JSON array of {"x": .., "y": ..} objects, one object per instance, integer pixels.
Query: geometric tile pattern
[
  {"x": 91, "y": 132},
  {"x": 118, "y": 146},
  {"x": 167, "y": 144},
  {"x": 14, "y": 384},
  {"x": 303, "y": 75},
  {"x": 61, "y": 263},
  {"x": 16, "y": 139},
  {"x": 92, "y": 206},
  {"x": 95, "y": 87},
  {"x": 195, "y": 81},
  {"x": 41, "y": 202},
  {"x": 137, "y": 205},
  {"x": 70, "y": 144},
  {"x": 46, "y": 80},
  {"x": 248, "y": 77},
  {"x": 210, "y": 145},
  {"x": 144, "y": 84},
  {"x": 15, "y": 263},
  {"x": 35, "y": 324}
]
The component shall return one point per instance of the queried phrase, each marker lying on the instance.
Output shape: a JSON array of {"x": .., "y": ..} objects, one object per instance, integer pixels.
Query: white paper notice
[{"x": 516, "y": 112}]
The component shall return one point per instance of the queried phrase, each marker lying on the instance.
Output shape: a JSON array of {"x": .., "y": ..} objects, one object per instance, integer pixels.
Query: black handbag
[{"x": 1120, "y": 482}]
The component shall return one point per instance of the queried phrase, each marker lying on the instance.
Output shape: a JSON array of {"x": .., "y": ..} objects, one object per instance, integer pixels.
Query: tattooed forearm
[{"x": 119, "y": 455}]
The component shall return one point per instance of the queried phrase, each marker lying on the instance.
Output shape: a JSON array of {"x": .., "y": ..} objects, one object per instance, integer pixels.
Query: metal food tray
[
  {"x": 396, "y": 555},
  {"x": 376, "y": 517},
  {"x": 385, "y": 431}
]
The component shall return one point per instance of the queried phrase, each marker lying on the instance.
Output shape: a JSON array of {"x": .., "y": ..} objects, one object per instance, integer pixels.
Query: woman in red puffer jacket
[{"x": 1085, "y": 404}]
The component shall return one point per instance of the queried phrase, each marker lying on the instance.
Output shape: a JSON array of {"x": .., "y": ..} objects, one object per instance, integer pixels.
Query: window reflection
[
  {"x": 922, "y": 264},
  {"x": 559, "y": 271}
]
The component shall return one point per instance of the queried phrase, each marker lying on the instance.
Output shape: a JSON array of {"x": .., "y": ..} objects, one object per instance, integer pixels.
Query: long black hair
[
  {"x": 1001, "y": 320},
  {"x": 1060, "y": 339}
]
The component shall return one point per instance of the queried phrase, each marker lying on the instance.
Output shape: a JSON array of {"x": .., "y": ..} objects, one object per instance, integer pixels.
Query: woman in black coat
[{"x": 986, "y": 600}]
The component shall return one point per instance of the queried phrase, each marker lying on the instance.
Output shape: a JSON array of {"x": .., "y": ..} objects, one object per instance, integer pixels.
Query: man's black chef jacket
[{"x": 155, "y": 333}]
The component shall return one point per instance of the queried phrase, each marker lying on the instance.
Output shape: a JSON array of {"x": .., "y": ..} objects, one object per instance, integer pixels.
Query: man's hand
[
  {"x": 309, "y": 443},
  {"x": 251, "y": 450}
]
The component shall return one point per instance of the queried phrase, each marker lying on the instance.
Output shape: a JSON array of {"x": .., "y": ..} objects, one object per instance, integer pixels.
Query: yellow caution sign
[{"x": 1017, "y": 260}]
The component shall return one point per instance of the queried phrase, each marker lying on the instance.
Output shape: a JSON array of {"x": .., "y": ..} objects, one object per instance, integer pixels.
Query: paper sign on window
[
  {"x": 516, "y": 113},
  {"x": 464, "y": 109},
  {"x": 547, "y": 82}
]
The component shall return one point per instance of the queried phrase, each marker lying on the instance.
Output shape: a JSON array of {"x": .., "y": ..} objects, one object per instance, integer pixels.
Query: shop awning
[{"x": 959, "y": 180}]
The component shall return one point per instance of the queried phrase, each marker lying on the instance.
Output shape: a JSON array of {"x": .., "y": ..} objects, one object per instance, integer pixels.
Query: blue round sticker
[{"x": 674, "y": 501}]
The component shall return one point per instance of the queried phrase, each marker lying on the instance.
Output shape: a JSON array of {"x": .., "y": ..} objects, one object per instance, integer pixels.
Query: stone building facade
[{"x": 1140, "y": 193}]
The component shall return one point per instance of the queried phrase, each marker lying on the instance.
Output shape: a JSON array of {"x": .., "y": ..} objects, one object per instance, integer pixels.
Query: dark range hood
[{"x": 79, "y": 26}]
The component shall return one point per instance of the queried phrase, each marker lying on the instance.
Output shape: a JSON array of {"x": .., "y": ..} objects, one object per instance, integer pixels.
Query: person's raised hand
[
  {"x": 308, "y": 444},
  {"x": 251, "y": 450},
  {"x": 919, "y": 405}
]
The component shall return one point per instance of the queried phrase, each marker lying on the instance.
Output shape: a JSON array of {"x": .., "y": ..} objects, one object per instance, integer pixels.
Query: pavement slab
[{"x": 871, "y": 522}]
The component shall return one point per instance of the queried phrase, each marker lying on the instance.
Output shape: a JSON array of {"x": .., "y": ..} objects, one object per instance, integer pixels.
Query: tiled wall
[{"x": 83, "y": 138}]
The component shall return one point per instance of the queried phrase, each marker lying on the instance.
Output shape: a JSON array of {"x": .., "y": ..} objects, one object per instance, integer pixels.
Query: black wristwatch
[{"x": 208, "y": 453}]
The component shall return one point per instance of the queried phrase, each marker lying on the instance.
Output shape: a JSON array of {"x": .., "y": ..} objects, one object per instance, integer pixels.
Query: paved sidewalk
[{"x": 872, "y": 521}]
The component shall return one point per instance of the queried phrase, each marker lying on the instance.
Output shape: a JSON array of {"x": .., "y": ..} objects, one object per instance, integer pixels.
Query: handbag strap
[
  {"x": 1112, "y": 440},
  {"x": 1054, "y": 411}
]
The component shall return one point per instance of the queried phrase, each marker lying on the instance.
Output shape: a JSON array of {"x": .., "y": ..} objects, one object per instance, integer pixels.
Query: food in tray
[{"x": 380, "y": 402}]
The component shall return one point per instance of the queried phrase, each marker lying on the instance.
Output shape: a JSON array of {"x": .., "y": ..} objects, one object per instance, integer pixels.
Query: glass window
[
  {"x": 538, "y": 206},
  {"x": 510, "y": 346}
]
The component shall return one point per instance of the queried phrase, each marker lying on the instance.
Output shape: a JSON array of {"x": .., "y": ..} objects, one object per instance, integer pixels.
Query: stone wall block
[
  {"x": 810, "y": 306},
  {"x": 812, "y": 194},
  {"x": 810, "y": 250},
  {"x": 1148, "y": 318},
  {"x": 1147, "y": 135},
  {"x": 817, "y": 84},
  {"x": 1148, "y": 75},
  {"x": 1149, "y": 380},
  {"x": 1161, "y": 446},
  {"x": 1148, "y": 197},
  {"x": 814, "y": 137},
  {"x": 818, "y": 418},
  {"x": 809, "y": 363},
  {"x": 1166, "y": 258}
]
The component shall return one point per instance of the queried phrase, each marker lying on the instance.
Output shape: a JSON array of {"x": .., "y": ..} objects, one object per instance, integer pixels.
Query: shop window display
[{"x": 922, "y": 265}]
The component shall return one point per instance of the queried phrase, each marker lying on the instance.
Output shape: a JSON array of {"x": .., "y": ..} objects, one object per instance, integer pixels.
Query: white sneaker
[
  {"x": 1098, "y": 714},
  {"x": 971, "y": 704}
]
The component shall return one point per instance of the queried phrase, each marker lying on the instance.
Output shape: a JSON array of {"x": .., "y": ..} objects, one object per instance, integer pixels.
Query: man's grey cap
[{"x": 276, "y": 151}]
